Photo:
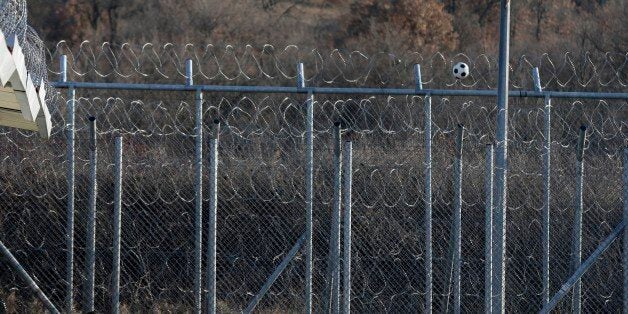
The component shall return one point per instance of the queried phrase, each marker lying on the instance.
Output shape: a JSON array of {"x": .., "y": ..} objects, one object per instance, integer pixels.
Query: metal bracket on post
[
  {"x": 189, "y": 68},
  {"x": 300, "y": 76},
  {"x": 418, "y": 84},
  {"x": 63, "y": 68},
  {"x": 537, "y": 80}
]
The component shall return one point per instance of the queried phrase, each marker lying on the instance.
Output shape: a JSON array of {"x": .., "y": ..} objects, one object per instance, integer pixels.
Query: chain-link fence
[{"x": 261, "y": 180}]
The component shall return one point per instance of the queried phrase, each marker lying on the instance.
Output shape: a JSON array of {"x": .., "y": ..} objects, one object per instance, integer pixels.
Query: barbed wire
[
  {"x": 270, "y": 64},
  {"x": 261, "y": 184},
  {"x": 13, "y": 22}
]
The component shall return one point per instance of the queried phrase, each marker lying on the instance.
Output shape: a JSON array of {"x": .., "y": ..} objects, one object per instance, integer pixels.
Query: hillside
[{"x": 393, "y": 25}]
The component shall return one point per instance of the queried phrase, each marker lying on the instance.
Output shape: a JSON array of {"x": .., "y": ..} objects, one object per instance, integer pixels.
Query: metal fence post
[
  {"x": 488, "y": 228},
  {"x": 117, "y": 216},
  {"x": 576, "y": 257},
  {"x": 545, "y": 220},
  {"x": 427, "y": 112},
  {"x": 63, "y": 68},
  {"x": 457, "y": 232},
  {"x": 91, "y": 217},
  {"x": 625, "y": 246},
  {"x": 501, "y": 158},
  {"x": 334, "y": 242},
  {"x": 198, "y": 186},
  {"x": 309, "y": 181},
  {"x": 418, "y": 81},
  {"x": 347, "y": 172},
  {"x": 70, "y": 132},
  {"x": 212, "y": 228}
]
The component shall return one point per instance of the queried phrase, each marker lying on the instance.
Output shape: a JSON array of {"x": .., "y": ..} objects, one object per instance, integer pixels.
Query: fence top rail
[{"x": 336, "y": 90}]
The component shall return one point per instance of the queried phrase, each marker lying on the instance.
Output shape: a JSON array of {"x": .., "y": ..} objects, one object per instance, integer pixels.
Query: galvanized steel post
[
  {"x": 625, "y": 247},
  {"x": 69, "y": 237},
  {"x": 334, "y": 242},
  {"x": 309, "y": 181},
  {"x": 427, "y": 112},
  {"x": 501, "y": 164},
  {"x": 212, "y": 221},
  {"x": 576, "y": 257},
  {"x": 545, "y": 220},
  {"x": 91, "y": 217},
  {"x": 347, "y": 172},
  {"x": 488, "y": 228},
  {"x": 457, "y": 233},
  {"x": 117, "y": 216},
  {"x": 198, "y": 185}
]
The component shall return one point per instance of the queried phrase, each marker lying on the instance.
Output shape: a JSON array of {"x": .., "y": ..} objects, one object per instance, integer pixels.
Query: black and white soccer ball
[{"x": 461, "y": 70}]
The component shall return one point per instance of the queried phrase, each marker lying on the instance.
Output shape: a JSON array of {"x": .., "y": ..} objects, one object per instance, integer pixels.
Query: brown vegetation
[{"x": 391, "y": 25}]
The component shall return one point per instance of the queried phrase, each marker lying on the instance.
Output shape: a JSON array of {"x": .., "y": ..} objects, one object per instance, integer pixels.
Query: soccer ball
[{"x": 461, "y": 70}]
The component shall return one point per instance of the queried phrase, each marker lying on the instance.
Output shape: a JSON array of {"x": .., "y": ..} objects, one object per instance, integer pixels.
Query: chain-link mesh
[{"x": 261, "y": 210}]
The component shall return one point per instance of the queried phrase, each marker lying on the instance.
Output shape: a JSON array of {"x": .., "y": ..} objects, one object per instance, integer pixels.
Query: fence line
[
  {"x": 177, "y": 260},
  {"x": 311, "y": 139}
]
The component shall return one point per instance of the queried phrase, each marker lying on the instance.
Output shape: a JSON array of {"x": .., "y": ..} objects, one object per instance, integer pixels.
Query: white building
[{"x": 22, "y": 104}]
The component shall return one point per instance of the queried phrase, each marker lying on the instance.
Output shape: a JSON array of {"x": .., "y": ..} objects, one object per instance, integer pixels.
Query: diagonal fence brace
[
  {"x": 4, "y": 251},
  {"x": 280, "y": 268},
  {"x": 570, "y": 283}
]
